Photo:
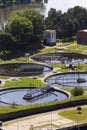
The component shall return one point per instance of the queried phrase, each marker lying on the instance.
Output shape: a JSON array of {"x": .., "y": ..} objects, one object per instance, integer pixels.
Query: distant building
[
  {"x": 82, "y": 36},
  {"x": 45, "y": 1},
  {"x": 49, "y": 37}
]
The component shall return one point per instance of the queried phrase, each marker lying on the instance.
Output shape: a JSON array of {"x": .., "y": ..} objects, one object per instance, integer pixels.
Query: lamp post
[
  {"x": 17, "y": 126},
  {"x": 0, "y": 124},
  {"x": 51, "y": 120},
  {"x": 79, "y": 111},
  {"x": 31, "y": 127}
]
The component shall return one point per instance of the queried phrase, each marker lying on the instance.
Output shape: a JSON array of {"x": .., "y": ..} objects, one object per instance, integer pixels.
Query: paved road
[{"x": 37, "y": 120}]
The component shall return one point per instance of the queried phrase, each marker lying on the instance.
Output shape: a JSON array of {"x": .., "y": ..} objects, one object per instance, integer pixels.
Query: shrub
[
  {"x": 77, "y": 91},
  {"x": 79, "y": 110}
]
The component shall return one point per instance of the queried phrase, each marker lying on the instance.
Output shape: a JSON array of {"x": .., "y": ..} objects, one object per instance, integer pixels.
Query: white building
[{"x": 49, "y": 37}]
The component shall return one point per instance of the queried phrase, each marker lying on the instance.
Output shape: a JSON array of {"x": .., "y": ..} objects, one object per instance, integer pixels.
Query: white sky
[{"x": 64, "y": 4}]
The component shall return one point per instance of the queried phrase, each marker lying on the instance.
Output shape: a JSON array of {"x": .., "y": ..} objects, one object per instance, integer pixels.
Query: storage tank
[{"x": 49, "y": 37}]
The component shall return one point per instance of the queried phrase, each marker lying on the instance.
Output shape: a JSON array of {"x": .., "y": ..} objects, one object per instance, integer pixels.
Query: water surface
[{"x": 16, "y": 95}]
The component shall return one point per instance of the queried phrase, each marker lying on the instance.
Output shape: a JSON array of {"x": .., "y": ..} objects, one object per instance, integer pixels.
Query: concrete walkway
[
  {"x": 2, "y": 83},
  {"x": 37, "y": 121}
]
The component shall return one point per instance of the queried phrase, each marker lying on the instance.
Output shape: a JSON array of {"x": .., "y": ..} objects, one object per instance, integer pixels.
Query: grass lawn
[
  {"x": 24, "y": 82},
  {"x": 73, "y": 47},
  {"x": 72, "y": 114}
]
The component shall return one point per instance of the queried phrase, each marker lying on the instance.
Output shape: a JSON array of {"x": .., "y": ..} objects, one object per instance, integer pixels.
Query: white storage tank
[{"x": 49, "y": 37}]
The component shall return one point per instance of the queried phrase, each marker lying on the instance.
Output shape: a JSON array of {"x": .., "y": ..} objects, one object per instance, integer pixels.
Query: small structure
[
  {"x": 31, "y": 95},
  {"x": 82, "y": 36},
  {"x": 27, "y": 55},
  {"x": 81, "y": 80},
  {"x": 0, "y": 124},
  {"x": 45, "y": 1},
  {"x": 49, "y": 37},
  {"x": 27, "y": 96}
]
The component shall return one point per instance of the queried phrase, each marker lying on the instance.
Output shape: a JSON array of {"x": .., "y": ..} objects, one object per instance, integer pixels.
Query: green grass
[
  {"x": 47, "y": 50},
  {"x": 73, "y": 47},
  {"x": 24, "y": 82},
  {"x": 72, "y": 114},
  {"x": 67, "y": 89},
  {"x": 61, "y": 68},
  {"x": 70, "y": 89},
  {"x": 78, "y": 48}
]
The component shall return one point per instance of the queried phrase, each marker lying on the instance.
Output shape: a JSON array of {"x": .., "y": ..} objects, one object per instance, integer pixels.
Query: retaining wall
[{"x": 40, "y": 109}]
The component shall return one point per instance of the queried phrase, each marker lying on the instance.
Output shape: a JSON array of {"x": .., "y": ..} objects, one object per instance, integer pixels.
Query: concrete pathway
[
  {"x": 2, "y": 83},
  {"x": 37, "y": 121}
]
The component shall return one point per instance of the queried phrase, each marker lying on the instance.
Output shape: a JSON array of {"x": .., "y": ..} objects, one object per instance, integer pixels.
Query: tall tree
[
  {"x": 21, "y": 28},
  {"x": 4, "y": 2},
  {"x": 36, "y": 19},
  {"x": 7, "y": 42},
  {"x": 67, "y": 24},
  {"x": 53, "y": 20}
]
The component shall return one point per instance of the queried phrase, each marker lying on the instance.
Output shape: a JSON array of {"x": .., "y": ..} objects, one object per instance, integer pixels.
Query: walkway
[{"x": 37, "y": 121}]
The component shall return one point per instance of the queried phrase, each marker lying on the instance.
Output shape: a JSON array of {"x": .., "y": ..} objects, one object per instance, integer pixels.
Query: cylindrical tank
[{"x": 49, "y": 37}]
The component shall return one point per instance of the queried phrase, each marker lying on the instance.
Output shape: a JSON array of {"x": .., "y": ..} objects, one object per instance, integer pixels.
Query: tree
[
  {"x": 67, "y": 24},
  {"x": 4, "y": 2},
  {"x": 53, "y": 20},
  {"x": 28, "y": 15},
  {"x": 37, "y": 21},
  {"x": 7, "y": 41},
  {"x": 10, "y": 2},
  {"x": 77, "y": 91},
  {"x": 22, "y": 1},
  {"x": 80, "y": 14},
  {"x": 21, "y": 28},
  {"x": 38, "y": 0},
  {"x": 13, "y": 104},
  {"x": 79, "y": 110}
]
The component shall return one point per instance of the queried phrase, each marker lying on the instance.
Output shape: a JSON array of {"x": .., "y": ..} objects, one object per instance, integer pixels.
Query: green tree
[
  {"x": 37, "y": 21},
  {"x": 10, "y": 2},
  {"x": 21, "y": 28},
  {"x": 4, "y": 2},
  {"x": 27, "y": 27},
  {"x": 22, "y": 1},
  {"x": 53, "y": 20},
  {"x": 77, "y": 91},
  {"x": 67, "y": 24},
  {"x": 13, "y": 104},
  {"x": 80, "y": 14},
  {"x": 79, "y": 110},
  {"x": 7, "y": 41}
]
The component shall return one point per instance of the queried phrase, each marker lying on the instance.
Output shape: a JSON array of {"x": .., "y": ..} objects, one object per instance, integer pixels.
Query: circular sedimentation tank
[
  {"x": 39, "y": 95},
  {"x": 60, "y": 58},
  {"x": 70, "y": 79},
  {"x": 23, "y": 69}
]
